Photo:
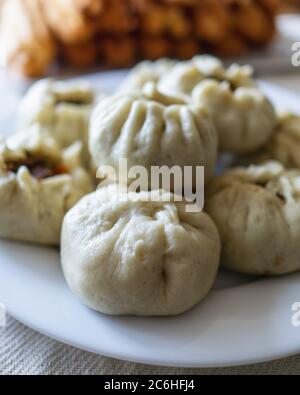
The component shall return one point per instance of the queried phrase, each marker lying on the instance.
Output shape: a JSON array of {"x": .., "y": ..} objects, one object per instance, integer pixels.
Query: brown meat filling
[{"x": 38, "y": 167}]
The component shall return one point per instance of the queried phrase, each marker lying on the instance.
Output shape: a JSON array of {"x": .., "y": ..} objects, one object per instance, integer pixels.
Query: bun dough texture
[
  {"x": 257, "y": 212},
  {"x": 61, "y": 109},
  {"x": 38, "y": 185},
  {"x": 124, "y": 254},
  {"x": 184, "y": 76},
  {"x": 143, "y": 73},
  {"x": 149, "y": 130},
  {"x": 284, "y": 145},
  {"x": 242, "y": 114}
]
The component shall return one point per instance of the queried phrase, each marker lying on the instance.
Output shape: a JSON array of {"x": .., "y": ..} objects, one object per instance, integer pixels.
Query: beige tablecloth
[{"x": 23, "y": 351}]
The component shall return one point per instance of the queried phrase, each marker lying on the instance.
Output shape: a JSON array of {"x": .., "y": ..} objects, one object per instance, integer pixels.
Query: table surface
[{"x": 23, "y": 351}]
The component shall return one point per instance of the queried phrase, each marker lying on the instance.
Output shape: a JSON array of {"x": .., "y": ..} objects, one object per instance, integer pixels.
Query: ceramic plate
[{"x": 243, "y": 320}]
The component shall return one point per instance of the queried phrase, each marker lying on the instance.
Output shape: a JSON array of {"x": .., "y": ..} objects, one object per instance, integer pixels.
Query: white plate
[{"x": 242, "y": 321}]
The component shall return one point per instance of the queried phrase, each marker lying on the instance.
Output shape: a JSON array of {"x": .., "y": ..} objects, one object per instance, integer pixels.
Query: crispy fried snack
[
  {"x": 117, "y": 33},
  {"x": 288, "y": 5},
  {"x": 186, "y": 49},
  {"x": 232, "y": 45},
  {"x": 26, "y": 43},
  {"x": 271, "y": 6},
  {"x": 80, "y": 56},
  {"x": 155, "y": 47},
  {"x": 117, "y": 17},
  {"x": 143, "y": 4},
  {"x": 72, "y": 21},
  {"x": 118, "y": 51},
  {"x": 213, "y": 22},
  {"x": 159, "y": 18},
  {"x": 85, "y": 18},
  {"x": 252, "y": 21}
]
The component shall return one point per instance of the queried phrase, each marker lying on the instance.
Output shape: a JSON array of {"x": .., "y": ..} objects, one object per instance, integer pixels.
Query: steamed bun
[
  {"x": 242, "y": 114},
  {"x": 38, "y": 184},
  {"x": 124, "y": 254},
  {"x": 284, "y": 145},
  {"x": 184, "y": 76},
  {"x": 143, "y": 73},
  {"x": 257, "y": 212},
  {"x": 61, "y": 109},
  {"x": 149, "y": 130}
]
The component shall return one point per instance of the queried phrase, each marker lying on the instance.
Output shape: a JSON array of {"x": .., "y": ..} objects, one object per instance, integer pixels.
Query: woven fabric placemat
[{"x": 26, "y": 352}]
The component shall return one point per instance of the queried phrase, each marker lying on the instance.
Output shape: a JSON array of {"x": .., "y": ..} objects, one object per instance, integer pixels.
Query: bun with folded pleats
[
  {"x": 138, "y": 254},
  {"x": 152, "y": 129},
  {"x": 242, "y": 114},
  {"x": 257, "y": 212}
]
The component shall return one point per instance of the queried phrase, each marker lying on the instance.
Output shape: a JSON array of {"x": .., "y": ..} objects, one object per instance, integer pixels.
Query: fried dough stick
[
  {"x": 72, "y": 21},
  {"x": 26, "y": 42}
]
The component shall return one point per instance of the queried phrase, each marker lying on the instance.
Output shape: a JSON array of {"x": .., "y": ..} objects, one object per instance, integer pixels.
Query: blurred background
[{"x": 42, "y": 37}]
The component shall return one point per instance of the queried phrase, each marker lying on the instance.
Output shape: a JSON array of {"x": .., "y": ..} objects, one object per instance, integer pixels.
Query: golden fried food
[
  {"x": 178, "y": 25},
  {"x": 26, "y": 43},
  {"x": 213, "y": 21},
  {"x": 80, "y": 56},
  {"x": 288, "y": 6},
  {"x": 142, "y": 5},
  {"x": 72, "y": 21},
  {"x": 117, "y": 33},
  {"x": 153, "y": 20},
  {"x": 252, "y": 22},
  {"x": 118, "y": 51},
  {"x": 232, "y": 45},
  {"x": 270, "y": 5},
  {"x": 159, "y": 19},
  {"x": 186, "y": 49},
  {"x": 117, "y": 17},
  {"x": 155, "y": 47}
]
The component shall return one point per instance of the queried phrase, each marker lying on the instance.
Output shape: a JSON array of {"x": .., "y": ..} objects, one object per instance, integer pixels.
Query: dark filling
[
  {"x": 280, "y": 197},
  {"x": 220, "y": 80},
  {"x": 38, "y": 168},
  {"x": 73, "y": 102}
]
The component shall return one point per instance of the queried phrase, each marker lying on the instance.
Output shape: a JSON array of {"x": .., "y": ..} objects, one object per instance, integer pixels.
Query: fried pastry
[
  {"x": 159, "y": 19},
  {"x": 80, "y": 56},
  {"x": 117, "y": 18},
  {"x": 213, "y": 22},
  {"x": 118, "y": 51},
  {"x": 85, "y": 32},
  {"x": 186, "y": 49},
  {"x": 155, "y": 47},
  {"x": 271, "y": 6},
  {"x": 72, "y": 21},
  {"x": 26, "y": 43},
  {"x": 232, "y": 45},
  {"x": 252, "y": 22},
  {"x": 289, "y": 6}
]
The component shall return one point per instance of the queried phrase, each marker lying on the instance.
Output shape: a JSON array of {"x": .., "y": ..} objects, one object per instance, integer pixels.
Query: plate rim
[{"x": 153, "y": 362}]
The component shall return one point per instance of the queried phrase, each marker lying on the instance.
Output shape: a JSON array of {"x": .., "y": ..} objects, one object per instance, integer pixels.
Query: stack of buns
[{"x": 117, "y": 33}]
